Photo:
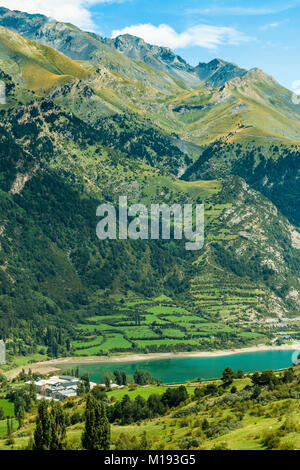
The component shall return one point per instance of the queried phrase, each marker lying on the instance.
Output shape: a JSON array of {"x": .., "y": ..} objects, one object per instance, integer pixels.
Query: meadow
[
  {"x": 161, "y": 324},
  {"x": 214, "y": 416}
]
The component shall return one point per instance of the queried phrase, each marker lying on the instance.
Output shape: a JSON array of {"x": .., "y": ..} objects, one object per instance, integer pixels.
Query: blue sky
[{"x": 259, "y": 33}]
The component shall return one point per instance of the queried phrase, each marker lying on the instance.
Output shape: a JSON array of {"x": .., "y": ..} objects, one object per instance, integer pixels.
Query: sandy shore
[{"x": 48, "y": 367}]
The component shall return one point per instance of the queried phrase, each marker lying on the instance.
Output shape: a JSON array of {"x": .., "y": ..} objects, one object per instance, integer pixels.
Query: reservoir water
[{"x": 182, "y": 369}]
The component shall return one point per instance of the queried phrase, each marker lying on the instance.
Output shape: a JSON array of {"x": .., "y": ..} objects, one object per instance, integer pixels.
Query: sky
[{"x": 259, "y": 33}]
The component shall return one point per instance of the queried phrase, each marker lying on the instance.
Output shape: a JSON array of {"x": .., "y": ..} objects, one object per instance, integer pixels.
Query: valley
[
  {"x": 133, "y": 343},
  {"x": 122, "y": 117}
]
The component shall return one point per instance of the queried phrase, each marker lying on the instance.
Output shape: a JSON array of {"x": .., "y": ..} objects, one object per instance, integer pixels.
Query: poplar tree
[
  {"x": 20, "y": 415},
  {"x": 96, "y": 434},
  {"x": 58, "y": 426},
  {"x": 50, "y": 430},
  {"x": 9, "y": 426},
  {"x": 42, "y": 433}
]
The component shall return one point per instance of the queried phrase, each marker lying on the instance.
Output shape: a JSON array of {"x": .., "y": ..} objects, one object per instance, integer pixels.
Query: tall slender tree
[
  {"x": 96, "y": 434},
  {"x": 50, "y": 431},
  {"x": 42, "y": 433},
  {"x": 58, "y": 426}
]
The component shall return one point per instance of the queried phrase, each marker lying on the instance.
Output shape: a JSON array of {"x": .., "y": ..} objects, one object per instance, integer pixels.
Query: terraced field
[
  {"x": 159, "y": 325},
  {"x": 225, "y": 298},
  {"x": 206, "y": 318}
]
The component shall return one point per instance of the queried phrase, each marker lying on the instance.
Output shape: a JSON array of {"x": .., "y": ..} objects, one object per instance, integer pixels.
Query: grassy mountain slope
[
  {"x": 263, "y": 148},
  {"x": 38, "y": 67},
  {"x": 253, "y": 107},
  {"x": 246, "y": 99},
  {"x": 87, "y": 47},
  {"x": 213, "y": 415}
]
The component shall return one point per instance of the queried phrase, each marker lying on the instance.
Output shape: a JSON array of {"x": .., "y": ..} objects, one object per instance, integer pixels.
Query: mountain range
[{"x": 88, "y": 119}]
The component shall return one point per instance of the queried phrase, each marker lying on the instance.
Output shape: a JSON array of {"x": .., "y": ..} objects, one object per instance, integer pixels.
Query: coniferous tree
[
  {"x": 58, "y": 426},
  {"x": 144, "y": 444},
  {"x": 8, "y": 425},
  {"x": 83, "y": 385},
  {"x": 50, "y": 430},
  {"x": 96, "y": 434},
  {"x": 42, "y": 433},
  {"x": 124, "y": 378},
  {"x": 86, "y": 381},
  {"x": 228, "y": 376},
  {"x": 20, "y": 415}
]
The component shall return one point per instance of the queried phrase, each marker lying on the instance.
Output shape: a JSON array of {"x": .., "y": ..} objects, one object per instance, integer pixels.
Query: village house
[
  {"x": 57, "y": 388},
  {"x": 2, "y": 352}
]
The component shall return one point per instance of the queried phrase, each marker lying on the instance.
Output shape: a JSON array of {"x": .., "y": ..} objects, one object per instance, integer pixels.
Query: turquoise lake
[{"x": 182, "y": 369}]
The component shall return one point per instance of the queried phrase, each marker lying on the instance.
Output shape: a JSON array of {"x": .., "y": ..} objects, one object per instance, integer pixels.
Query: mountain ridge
[{"x": 42, "y": 29}]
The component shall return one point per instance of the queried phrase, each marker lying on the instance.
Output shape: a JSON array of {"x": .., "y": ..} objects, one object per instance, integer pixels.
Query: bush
[
  {"x": 76, "y": 418},
  {"x": 222, "y": 427},
  {"x": 189, "y": 442},
  {"x": 220, "y": 446},
  {"x": 271, "y": 440},
  {"x": 290, "y": 425},
  {"x": 289, "y": 445}
]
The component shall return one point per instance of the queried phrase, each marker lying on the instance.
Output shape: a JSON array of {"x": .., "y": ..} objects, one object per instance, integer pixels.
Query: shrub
[
  {"x": 271, "y": 440},
  {"x": 290, "y": 425},
  {"x": 220, "y": 446},
  {"x": 189, "y": 442}
]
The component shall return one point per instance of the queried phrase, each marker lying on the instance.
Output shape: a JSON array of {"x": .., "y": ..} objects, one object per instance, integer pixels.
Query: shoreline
[{"x": 49, "y": 366}]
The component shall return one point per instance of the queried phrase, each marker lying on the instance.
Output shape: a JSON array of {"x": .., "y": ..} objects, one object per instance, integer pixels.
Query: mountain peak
[
  {"x": 217, "y": 72},
  {"x": 160, "y": 58},
  {"x": 253, "y": 75},
  {"x": 136, "y": 47},
  {"x": 216, "y": 62},
  {"x": 18, "y": 17},
  {"x": 259, "y": 73},
  {"x": 130, "y": 39}
]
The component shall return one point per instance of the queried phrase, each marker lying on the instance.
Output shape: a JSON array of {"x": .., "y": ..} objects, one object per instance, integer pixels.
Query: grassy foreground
[{"x": 241, "y": 415}]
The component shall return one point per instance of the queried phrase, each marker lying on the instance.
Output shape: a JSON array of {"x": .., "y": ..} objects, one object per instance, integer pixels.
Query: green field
[
  {"x": 161, "y": 310},
  {"x": 116, "y": 341},
  {"x": 158, "y": 324},
  {"x": 144, "y": 392},
  {"x": 7, "y": 406},
  {"x": 87, "y": 343},
  {"x": 3, "y": 427}
]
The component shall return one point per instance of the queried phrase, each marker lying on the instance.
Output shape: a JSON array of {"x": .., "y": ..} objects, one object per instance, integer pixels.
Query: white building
[
  {"x": 57, "y": 388},
  {"x": 2, "y": 352}
]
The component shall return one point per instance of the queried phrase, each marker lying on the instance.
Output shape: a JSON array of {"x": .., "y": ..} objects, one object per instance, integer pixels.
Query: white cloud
[
  {"x": 271, "y": 25},
  {"x": 209, "y": 37},
  {"x": 296, "y": 92},
  {"x": 274, "y": 25},
  {"x": 296, "y": 87},
  {"x": 72, "y": 11}
]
